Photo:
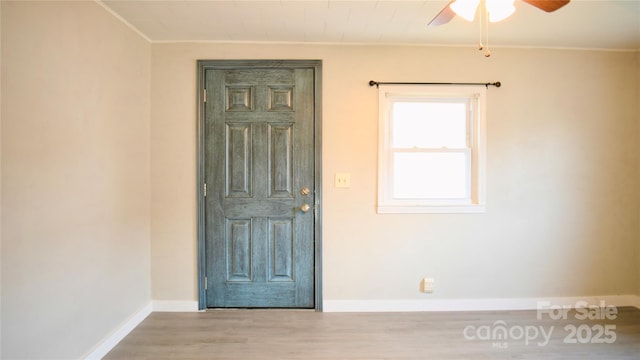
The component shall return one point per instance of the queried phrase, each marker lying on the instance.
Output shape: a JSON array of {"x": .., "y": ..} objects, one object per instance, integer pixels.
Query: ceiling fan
[
  {"x": 449, "y": 12},
  {"x": 489, "y": 11}
]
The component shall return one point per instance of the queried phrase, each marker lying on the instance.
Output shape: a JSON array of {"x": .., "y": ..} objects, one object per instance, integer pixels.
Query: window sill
[{"x": 433, "y": 209}]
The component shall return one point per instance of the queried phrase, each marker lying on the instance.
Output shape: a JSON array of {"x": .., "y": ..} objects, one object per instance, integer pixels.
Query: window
[{"x": 431, "y": 149}]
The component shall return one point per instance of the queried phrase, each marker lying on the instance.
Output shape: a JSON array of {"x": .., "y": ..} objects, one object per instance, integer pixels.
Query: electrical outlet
[{"x": 427, "y": 285}]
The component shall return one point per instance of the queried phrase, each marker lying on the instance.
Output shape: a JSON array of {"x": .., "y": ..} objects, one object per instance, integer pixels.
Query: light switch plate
[{"x": 343, "y": 180}]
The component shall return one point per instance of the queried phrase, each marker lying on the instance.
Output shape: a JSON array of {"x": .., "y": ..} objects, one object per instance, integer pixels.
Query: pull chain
[
  {"x": 480, "y": 45},
  {"x": 484, "y": 28},
  {"x": 487, "y": 52}
]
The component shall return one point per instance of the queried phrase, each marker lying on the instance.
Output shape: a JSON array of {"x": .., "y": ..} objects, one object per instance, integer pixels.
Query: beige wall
[
  {"x": 562, "y": 200},
  {"x": 98, "y": 156},
  {"x": 75, "y": 177}
]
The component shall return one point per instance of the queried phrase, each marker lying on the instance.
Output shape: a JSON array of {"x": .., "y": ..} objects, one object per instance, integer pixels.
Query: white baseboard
[
  {"x": 174, "y": 305},
  {"x": 114, "y": 338},
  {"x": 125, "y": 328},
  {"x": 472, "y": 304}
]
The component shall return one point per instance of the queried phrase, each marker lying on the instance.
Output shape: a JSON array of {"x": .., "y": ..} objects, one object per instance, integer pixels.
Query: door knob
[
  {"x": 305, "y": 191},
  {"x": 305, "y": 207}
]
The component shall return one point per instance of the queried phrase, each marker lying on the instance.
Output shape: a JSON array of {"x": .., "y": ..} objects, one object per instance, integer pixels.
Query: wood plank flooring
[{"x": 282, "y": 334}]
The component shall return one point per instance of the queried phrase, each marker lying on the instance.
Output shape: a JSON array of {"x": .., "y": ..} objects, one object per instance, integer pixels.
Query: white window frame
[{"x": 475, "y": 152}]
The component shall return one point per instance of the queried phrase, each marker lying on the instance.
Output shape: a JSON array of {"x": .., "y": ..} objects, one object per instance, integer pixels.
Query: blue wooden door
[{"x": 259, "y": 172}]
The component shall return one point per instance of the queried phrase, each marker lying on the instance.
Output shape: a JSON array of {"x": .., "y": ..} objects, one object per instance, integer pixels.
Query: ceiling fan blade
[
  {"x": 444, "y": 16},
  {"x": 547, "y": 5}
]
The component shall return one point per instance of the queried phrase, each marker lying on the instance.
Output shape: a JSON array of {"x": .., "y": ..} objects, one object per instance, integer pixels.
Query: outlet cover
[{"x": 427, "y": 285}]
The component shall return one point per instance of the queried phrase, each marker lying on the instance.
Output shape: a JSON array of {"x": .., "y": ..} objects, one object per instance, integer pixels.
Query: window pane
[
  {"x": 429, "y": 125},
  {"x": 429, "y": 176}
]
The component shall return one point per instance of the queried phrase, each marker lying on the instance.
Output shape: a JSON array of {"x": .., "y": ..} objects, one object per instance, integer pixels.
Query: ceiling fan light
[
  {"x": 465, "y": 8},
  {"x": 500, "y": 9}
]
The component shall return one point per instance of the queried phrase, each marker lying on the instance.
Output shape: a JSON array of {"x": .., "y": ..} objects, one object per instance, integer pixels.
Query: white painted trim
[
  {"x": 474, "y": 98},
  {"x": 404, "y": 44},
  {"x": 122, "y": 20},
  {"x": 471, "y": 304},
  {"x": 175, "y": 306},
  {"x": 108, "y": 343}
]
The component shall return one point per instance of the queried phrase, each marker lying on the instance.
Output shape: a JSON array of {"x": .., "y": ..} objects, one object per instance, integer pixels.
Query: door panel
[
  {"x": 280, "y": 155},
  {"x": 239, "y": 250},
  {"x": 281, "y": 258},
  {"x": 238, "y": 160},
  {"x": 259, "y": 155}
]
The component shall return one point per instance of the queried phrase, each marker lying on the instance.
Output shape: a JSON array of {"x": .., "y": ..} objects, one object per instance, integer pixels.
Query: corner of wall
[
  {"x": 122, "y": 20},
  {"x": 0, "y": 172},
  {"x": 638, "y": 166},
  {"x": 109, "y": 342}
]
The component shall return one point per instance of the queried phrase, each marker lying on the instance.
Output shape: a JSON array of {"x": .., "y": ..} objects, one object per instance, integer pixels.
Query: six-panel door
[{"x": 259, "y": 171}]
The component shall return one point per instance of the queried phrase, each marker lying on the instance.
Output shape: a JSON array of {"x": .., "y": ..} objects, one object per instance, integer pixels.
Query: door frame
[{"x": 203, "y": 66}]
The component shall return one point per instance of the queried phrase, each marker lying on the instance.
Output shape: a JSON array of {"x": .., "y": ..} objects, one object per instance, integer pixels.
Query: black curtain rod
[{"x": 378, "y": 83}]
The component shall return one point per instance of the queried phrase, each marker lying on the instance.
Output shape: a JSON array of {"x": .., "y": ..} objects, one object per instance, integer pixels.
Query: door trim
[{"x": 203, "y": 66}]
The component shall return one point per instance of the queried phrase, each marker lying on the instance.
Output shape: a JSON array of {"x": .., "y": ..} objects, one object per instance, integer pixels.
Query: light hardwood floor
[{"x": 281, "y": 334}]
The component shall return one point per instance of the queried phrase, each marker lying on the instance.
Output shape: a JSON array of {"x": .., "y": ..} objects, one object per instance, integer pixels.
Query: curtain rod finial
[{"x": 372, "y": 83}]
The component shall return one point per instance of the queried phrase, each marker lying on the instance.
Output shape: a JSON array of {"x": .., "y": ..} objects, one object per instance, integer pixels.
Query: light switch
[{"x": 343, "y": 180}]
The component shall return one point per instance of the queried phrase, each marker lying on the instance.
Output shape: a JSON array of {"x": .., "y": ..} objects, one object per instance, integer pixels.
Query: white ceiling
[{"x": 598, "y": 24}]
